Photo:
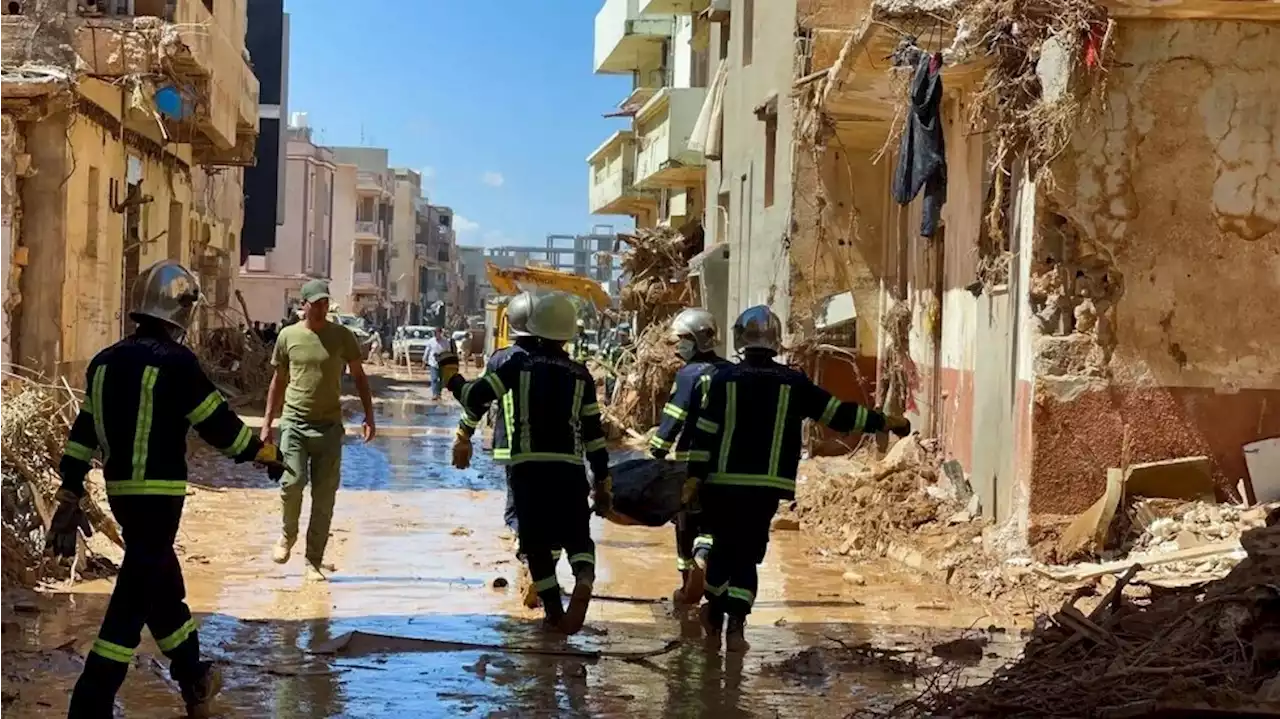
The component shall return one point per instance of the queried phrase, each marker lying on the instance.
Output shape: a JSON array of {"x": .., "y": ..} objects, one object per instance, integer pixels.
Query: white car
[{"x": 410, "y": 342}]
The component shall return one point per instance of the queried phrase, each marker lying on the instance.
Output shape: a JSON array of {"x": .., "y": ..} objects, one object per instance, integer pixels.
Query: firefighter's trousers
[
  {"x": 149, "y": 591},
  {"x": 509, "y": 517},
  {"x": 552, "y": 511},
  {"x": 738, "y": 520},
  {"x": 690, "y": 537}
]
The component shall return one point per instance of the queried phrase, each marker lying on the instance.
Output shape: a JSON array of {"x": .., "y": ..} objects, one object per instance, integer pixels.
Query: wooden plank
[{"x": 1082, "y": 572}]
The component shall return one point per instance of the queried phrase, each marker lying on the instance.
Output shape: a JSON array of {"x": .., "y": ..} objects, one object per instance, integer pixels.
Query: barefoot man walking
[{"x": 308, "y": 360}]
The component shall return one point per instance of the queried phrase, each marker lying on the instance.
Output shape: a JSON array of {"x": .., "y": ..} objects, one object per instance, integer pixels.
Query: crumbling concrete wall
[{"x": 1155, "y": 265}]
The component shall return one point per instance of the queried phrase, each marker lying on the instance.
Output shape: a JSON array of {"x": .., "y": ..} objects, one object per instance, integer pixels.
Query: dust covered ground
[{"x": 421, "y": 553}]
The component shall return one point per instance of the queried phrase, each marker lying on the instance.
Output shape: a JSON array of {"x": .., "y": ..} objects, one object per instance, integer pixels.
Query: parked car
[
  {"x": 359, "y": 328},
  {"x": 410, "y": 341}
]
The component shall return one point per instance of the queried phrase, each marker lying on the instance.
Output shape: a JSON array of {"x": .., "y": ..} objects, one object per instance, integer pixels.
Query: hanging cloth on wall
[{"x": 922, "y": 156}]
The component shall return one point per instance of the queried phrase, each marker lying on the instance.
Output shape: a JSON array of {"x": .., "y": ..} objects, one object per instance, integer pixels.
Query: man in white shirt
[{"x": 431, "y": 358}]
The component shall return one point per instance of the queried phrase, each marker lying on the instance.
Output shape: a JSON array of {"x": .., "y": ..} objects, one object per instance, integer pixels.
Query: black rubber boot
[
  {"x": 584, "y": 581},
  {"x": 198, "y": 695},
  {"x": 712, "y": 625},
  {"x": 735, "y": 640}
]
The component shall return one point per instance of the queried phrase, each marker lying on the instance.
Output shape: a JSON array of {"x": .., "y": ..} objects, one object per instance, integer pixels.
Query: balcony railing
[
  {"x": 365, "y": 281},
  {"x": 370, "y": 229},
  {"x": 626, "y": 40}
]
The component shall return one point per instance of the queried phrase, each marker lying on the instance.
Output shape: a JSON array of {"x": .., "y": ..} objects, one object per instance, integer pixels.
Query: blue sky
[{"x": 495, "y": 101}]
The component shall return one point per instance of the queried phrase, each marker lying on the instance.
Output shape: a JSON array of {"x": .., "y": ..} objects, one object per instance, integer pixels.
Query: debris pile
[
  {"x": 239, "y": 363},
  {"x": 868, "y": 507},
  {"x": 655, "y": 288},
  {"x": 36, "y": 419},
  {"x": 1217, "y": 646}
]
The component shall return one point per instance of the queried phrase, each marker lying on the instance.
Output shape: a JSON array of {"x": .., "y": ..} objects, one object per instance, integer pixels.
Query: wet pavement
[{"x": 417, "y": 547}]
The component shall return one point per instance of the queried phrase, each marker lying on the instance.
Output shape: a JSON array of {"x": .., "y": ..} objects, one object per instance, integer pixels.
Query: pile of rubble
[
  {"x": 239, "y": 363},
  {"x": 655, "y": 287},
  {"x": 36, "y": 419},
  {"x": 1180, "y": 650}
]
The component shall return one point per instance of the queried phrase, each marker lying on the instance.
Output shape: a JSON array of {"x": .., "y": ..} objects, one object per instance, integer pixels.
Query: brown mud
[{"x": 418, "y": 546}]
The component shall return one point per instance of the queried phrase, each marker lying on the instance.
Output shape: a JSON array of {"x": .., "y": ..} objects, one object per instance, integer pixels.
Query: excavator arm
[{"x": 513, "y": 280}]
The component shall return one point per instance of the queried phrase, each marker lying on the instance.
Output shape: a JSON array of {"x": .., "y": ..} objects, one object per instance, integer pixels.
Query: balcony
[
  {"x": 673, "y": 7},
  {"x": 365, "y": 282},
  {"x": 371, "y": 182},
  {"x": 370, "y": 230},
  {"x": 611, "y": 190},
  {"x": 199, "y": 81},
  {"x": 421, "y": 253},
  {"x": 627, "y": 40},
  {"x": 664, "y": 125}
]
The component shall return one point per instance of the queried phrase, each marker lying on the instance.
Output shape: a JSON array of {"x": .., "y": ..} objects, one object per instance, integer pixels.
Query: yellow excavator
[{"x": 510, "y": 281}]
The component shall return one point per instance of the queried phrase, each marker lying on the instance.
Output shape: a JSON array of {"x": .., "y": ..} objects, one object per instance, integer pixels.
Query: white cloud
[
  {"x": 493, "y": 179},
  {"x": 463, "y": 226}
]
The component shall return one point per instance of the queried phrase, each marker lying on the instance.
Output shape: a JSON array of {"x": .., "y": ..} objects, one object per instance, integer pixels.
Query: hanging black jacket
[
  {"x": 751, "y": 427},
  {"x": 549, "y": 407},
  {"x": 144, "y": 393},
  {"x": 468, "y": 423},
  {"x": 922, "y": 155},
  {"x": 684, "y": 407}
]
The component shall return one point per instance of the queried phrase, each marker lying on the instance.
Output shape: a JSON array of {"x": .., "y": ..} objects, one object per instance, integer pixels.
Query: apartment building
[
  {"x": 652, "y": 169},
  {"x": 438, "y": 276},
  {"x": 369, "y": 258},
  {"x": 126, "y": 129},
  {"x": 403, "y": 289},
  {"x": 302, "y": 250},
  {"x": 267, "y": 39}
]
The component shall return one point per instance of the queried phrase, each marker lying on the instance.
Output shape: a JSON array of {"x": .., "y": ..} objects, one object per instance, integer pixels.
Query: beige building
[
  {"x": 342, "y": 252},
  {"x": 370, "y": 256},
  {"x": 405, "y": 302},
  {"x": 653, "y": 169},
  {"x": 123, "y": 139},
  {"x": 304, "y": 241}
]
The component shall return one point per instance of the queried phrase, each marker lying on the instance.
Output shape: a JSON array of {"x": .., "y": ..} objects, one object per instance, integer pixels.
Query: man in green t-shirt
[{"x": 309, "y": 357}]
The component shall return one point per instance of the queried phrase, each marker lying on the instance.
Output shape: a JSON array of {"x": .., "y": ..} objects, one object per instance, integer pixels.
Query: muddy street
[{"x": 420, "y": 553}]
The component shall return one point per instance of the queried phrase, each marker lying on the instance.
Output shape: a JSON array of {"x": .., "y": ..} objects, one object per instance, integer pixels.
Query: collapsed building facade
[
  {"x": 1082, "y": 270},
  {"x": 126, "y": 131},
  {"x": 1101, "y": 285}
]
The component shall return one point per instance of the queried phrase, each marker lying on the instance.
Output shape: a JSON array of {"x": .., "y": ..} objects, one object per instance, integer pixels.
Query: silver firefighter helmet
[
  {"x": 165, "y": 291},
  {"x": 518, "y": 311},
  {"x": 757, "y": 328},
  {"x": 695, "y": 331},
  {"x": 554, "y": 317}
]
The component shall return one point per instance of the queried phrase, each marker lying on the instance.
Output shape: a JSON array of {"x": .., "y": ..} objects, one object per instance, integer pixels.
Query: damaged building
[
  {"x": 1098, "y": 286},
  {"x": 1046, "y": 232},
  {"x": 126, "y": 130}
]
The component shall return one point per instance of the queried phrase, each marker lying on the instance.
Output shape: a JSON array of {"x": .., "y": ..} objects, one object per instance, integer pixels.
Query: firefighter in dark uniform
[
  {"x": 144, "y": 393},
  {"x": 517, "y": 315},
  {"x": 696, "y": 338},
  {"x": 552, "y": 421},
  {"x": 747, "y": 458}
]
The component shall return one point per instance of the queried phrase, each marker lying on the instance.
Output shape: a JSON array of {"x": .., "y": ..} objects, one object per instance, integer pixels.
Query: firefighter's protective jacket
[
  {"x": 549, "y": 407},
  {"x": 143, "y": 394},
  {"x": 750, "y": 430},
  {"x": 683, "y": 409},
  {"x": 469, "y": 422}
]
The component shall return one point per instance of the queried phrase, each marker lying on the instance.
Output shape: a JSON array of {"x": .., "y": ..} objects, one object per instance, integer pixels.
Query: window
[
  {"x": 91, "y": 215},
  {"x": 748, "y": 30},
  {"x": 445, "y": 220},
  {"x": 364, "y": 259},
  {"x": 365, "y": 211},
  {"x": 724, "y": 40},
  {"x": 175, "y": 231},
  {"x": 770, "y": 149}
]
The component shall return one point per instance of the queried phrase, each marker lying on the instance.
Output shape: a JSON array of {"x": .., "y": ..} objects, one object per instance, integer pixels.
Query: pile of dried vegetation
[
  {"x": 1215, "y": 646},
  {"x": 238, "y": 362},
  {"x": 36, "y": 418},
  {"x": 656, "y": 287}
]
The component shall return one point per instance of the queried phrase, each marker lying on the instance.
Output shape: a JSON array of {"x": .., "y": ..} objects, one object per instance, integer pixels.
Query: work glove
[
  {"x": 269, "y": 457},
  {"x": 900, "y": 426},
  {"x": 461, "y": 450},
  {"x": 602, "y": 495},
  {"x": 448, "y": 363},
  {"x": 67, "y": 518}
]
